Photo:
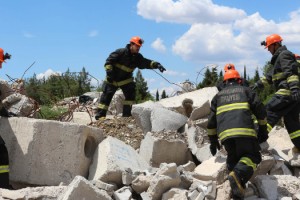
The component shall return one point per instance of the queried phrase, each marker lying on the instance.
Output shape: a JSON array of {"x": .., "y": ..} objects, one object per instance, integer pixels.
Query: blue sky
[{"x": 183, "y": 35}]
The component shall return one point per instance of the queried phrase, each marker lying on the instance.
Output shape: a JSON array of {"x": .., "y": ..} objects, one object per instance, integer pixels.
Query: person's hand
[
  {"x": 296, "y": 94},
  {"x": 4, "y": 112},
  {"x": 158, "y": 66},
  {"x": 262, "y": 134},
  {"x": 214, "y": 146},
  {"x": 161, "y": 68}
]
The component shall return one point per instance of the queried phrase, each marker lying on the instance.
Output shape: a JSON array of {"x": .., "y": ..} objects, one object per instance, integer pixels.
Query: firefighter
[
  {"x": 231, "y": 123},
  {"x": 284, "y": 76},
  {"x": 119, "y": 67},
  {"x": 4, "y": 162},
  {"x": 227, "y": 67}
]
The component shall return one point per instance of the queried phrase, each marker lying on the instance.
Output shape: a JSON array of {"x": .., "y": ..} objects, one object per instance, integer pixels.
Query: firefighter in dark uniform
[
  {"x": 284, "y": 76},
  {"x": 119, "y": 67},
  {"x": 230, "y": 121},
  {"x": 4, "y": 162}
]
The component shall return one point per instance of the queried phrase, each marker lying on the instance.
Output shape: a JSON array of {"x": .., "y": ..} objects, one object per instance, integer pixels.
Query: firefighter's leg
[
  {"x": 129, "y": 93},
  {"x": 291, "y": 121},
  {"x": 105, "y": 99},
  {"x": 248, "y": 152},
  {"x": 4, "y": 167},
  {"x": 277, "y": 107},
  {"x": 232, "y": 158}
]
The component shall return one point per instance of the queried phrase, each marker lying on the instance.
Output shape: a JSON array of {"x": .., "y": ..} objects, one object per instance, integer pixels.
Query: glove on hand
[
  {"x": 4, "y": 112},
  {"x": 158, "y": 66},
  {"x": 214, "y": 145},
  {"x": 262, "y": 134},
  {"x": 109, "y": 75},
  {"x": 7, "y": 56},
  {"x": 296, "y": 94}
]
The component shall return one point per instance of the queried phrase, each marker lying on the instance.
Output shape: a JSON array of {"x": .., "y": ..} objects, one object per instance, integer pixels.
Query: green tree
[
  {"x": 210, "y": 78},
  {"x": 157, "y": 96},
  {"x": 164, "y": 95},
  {"x": 142, "y": 93}
]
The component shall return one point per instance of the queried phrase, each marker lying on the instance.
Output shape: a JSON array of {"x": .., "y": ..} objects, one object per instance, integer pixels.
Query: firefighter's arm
[{"x": 211, "y": 129}]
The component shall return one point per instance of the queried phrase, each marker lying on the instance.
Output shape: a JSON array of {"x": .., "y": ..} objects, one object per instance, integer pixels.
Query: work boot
[
  {"x": 237, "y": 189},
  {"x": 100, "y": 114}
]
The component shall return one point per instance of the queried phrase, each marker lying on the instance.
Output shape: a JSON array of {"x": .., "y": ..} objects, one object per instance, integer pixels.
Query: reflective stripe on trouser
[
  {"x": 242, "y": 156},
  {"x": 108, "y": 92}
]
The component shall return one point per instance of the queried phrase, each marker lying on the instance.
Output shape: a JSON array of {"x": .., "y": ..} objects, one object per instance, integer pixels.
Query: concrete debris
[{"x": 161, "y": 152}]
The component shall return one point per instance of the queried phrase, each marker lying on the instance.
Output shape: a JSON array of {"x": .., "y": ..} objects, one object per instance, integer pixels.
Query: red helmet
[
  {"x": 229, "y": 66},
  {"x": 231, "y": 74},
  {"x": 271, "y": 39},
  {"x": 1, "y": 55},
  {"x": 137, "y": 40}
]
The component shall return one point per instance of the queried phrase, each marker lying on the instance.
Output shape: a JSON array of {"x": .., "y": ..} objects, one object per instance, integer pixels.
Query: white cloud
[
  {"x": 47, "y": 74},
  {"x": 220, "y": 34},
  {"x": 187, "y": 11},
  {"x": 158, "y": 45},
  {"x": 175, "y": 73},
  {"x": 93, "y": 33}
]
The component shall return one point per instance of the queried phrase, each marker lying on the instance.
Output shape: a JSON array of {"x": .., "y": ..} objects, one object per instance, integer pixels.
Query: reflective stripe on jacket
[{"x": 231, "y": 112}]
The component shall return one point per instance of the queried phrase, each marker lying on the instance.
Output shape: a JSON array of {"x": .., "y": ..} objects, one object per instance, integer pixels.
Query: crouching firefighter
[
  {"x": 4, "y": 162},
  {"x": 230, "y": 121},
  {"x": 119, "y": 67}
]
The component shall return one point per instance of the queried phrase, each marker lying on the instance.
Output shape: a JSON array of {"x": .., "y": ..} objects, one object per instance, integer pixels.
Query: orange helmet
[
  {"x": 137, "y": 40},
  {"x": 1, "y": 55},
  {"x": 271, "y": 39},
  {"x": 231, "y": 74},
  {"x": 229, "y": 66}
]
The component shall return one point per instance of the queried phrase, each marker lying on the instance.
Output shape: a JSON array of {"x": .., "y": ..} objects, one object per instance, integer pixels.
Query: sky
[{"x": 185, "y": 36}]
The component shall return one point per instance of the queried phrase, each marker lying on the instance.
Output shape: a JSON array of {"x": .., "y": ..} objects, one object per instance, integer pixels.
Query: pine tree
[
  {"x": 157, "y": 96},
  {"x": 141, "y": 89},
  {"x": 164, "y": 95}
]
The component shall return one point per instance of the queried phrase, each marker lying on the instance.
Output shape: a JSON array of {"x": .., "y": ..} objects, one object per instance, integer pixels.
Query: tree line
[{"x": 48, "y": 91}]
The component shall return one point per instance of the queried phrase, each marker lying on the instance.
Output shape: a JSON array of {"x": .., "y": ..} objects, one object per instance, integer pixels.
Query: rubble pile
[{"x": 160, "y": 153}]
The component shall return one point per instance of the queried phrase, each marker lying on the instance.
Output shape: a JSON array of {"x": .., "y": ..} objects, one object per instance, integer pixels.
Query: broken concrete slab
[
  {"x": 45, "y": 152},
  {"x": 111, "y": 158},
  {"x": 49, "y": 192},
  {"x": 212, "y": 169},
  {"x": 142, "y": 114},
  {"x": 156, "y": 151},
  {"x": 83, "y": 118},
  {"x": 80, "y": 188},
  {"x": 166, "y": 178},
  {"x": 199, "y": 97},
  {"x": 164, "y": 119}
]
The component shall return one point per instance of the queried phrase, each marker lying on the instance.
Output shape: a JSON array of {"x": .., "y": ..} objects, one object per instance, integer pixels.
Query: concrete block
[
  {"x": 141, "y": 183},
  {"x": 164, "y": 119},
  {"x": 123, "y": 193},
  {"x": 212, "y": 169},
  {"x": 111, "y": 158},
  {"x": 80, "y": 188},
  {"x": 45, "y": 152},
  {"x": 156, "y": 151}
]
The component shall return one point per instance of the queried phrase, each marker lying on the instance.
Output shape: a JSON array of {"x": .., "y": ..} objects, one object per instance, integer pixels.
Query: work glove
[
  {"x": 262, "y": 133},
  {"x": 7, "y": 56},
  {"x": 110, "y": 75},
  {"x": 4, "y": 112},
  {"x": 295, "y": 94},
  {"x": 214, "y": 145},
  {"x": 158, "y": 66}
]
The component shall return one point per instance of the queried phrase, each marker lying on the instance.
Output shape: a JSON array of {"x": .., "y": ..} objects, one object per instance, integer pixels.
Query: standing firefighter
[
  {"x": 230, "y": 122},
  {"x": 4, "y": 162},
  {"x": 284, "y": 76},
  {"x": 119, "y": 67}
]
